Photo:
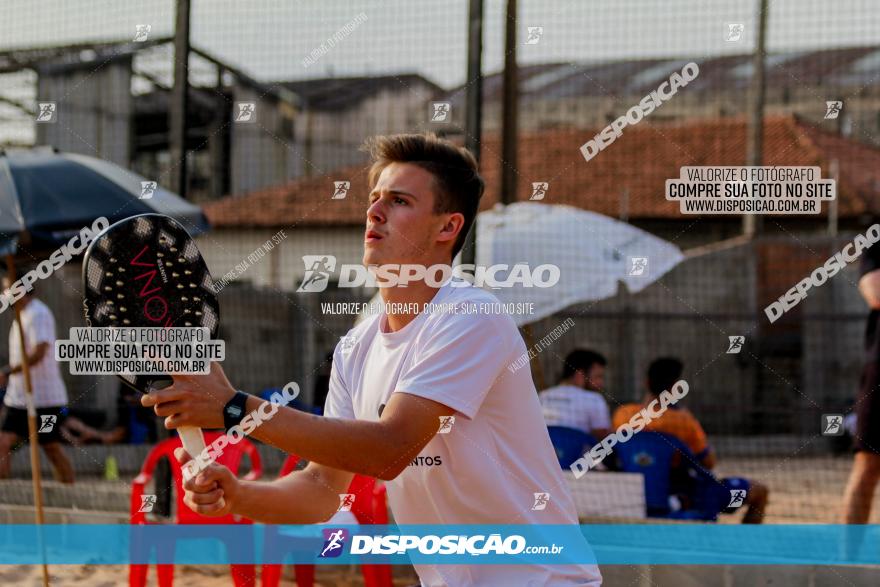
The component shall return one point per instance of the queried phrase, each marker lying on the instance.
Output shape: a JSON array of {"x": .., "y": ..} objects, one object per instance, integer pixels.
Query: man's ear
[{"x": 452, "y": 227}]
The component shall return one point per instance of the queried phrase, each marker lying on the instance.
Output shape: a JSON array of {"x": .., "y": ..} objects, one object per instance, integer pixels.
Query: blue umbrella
[{"x": 46, "y": 197}]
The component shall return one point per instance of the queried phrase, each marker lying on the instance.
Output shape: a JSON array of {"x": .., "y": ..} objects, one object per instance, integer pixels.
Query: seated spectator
[
  {"x": 678, "y": 421},
  {"x": 135, "y": 424},
  {"x": 576, "y": 401}
]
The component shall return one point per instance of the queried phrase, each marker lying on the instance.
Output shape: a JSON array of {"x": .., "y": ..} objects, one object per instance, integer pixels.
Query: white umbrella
[{"x": 593, "y": 253}]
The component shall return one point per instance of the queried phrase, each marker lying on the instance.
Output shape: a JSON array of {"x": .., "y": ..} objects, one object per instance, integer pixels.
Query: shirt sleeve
[
  {"x": 339, "y": 402},
  {"x": 41, "y": 329},
  {"x": 622, "y": 414},
  {"x": 459, "y": 360},
  {"x": 602, "y": 416},
  {"x": 696, "y": 437}
]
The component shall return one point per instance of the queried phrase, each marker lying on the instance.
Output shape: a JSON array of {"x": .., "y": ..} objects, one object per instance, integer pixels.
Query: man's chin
[{"x": 371, "y": 259}]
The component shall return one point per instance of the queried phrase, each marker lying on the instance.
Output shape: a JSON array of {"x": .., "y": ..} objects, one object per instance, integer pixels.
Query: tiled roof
[
  {"x": 339, "y": 93},
  {"x": 828, "y": 68},
  {"x": 633, "y": 170}
]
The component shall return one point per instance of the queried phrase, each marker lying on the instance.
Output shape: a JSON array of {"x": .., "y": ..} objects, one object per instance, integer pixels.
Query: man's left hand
[{"x": 192, "y": 400}]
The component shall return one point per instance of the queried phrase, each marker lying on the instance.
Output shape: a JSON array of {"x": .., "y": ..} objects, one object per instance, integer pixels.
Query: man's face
[
  {"x": 401, "y": 224},
  {"x": 595, "y": 378}
]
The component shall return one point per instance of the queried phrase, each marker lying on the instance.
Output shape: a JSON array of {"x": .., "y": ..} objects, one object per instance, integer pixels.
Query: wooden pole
[
  {"x": 473, "y": 108},
  {"x": 32, "y": 423},
  {"x": 753, "y": 223},
  {"x": 834, "y": 173},
  {"x": 509, "y": 106},
  {"x": 179, "y": 96}
]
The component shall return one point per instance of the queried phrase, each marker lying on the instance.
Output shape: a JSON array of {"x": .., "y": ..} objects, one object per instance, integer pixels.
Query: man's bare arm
[
  {"x": 379, "y": 449},
  {"x": 33, "y": 358},
  {"x": 309, "y": 496}
]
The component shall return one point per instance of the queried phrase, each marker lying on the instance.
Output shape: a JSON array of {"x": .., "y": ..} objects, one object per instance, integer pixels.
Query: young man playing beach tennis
[{"x": 402, "y": 376}]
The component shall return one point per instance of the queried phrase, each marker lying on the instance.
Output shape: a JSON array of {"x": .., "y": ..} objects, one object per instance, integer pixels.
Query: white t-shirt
[
  {"x": 497, "y": 454},
  {"x": 574, "y": 407},
  {"x": 48, "y": 387}
]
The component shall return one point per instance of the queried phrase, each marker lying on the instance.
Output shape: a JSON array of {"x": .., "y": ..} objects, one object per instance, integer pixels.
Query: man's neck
[{"x": 404, "y": 304}]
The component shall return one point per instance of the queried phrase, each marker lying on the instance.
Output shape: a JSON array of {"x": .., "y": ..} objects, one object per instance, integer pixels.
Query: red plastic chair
[
  {"x": 369, "y": 508},
  {"x": 242, "y": 575}
]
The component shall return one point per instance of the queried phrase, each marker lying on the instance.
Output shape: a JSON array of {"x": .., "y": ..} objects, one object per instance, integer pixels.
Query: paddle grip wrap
[{"x": 193, "y": 444}]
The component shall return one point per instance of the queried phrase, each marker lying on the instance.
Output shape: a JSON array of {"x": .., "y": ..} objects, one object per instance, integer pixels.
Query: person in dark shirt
[
  {"x": 135, "y": 424},
  {"x": 866, "y": 464}
]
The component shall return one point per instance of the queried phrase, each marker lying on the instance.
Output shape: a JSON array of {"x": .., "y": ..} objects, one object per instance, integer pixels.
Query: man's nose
[{"x": 376, "y": 211}]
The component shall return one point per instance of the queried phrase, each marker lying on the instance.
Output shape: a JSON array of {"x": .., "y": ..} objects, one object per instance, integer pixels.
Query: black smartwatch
[{"x": 234, "y": 411}]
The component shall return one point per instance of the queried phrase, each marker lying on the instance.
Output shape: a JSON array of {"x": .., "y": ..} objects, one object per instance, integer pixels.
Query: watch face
[{"x": 233, "y": 411}]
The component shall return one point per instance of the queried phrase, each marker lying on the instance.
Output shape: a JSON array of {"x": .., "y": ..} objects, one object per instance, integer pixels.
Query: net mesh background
[{"x": 323, "y": 78}]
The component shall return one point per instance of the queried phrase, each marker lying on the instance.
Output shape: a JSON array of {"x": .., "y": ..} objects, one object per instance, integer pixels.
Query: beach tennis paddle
[{"x": 146, "y": 271}]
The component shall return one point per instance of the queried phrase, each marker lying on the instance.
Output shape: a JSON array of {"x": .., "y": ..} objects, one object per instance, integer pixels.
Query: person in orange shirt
[{"x": 679, "y": 422}]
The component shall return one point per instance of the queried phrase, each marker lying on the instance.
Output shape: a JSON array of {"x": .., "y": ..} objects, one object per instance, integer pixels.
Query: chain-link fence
[{"x": 283, "y": 95}]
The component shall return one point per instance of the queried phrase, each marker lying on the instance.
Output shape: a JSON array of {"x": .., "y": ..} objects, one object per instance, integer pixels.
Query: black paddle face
[{"x": 146, "y": 271}]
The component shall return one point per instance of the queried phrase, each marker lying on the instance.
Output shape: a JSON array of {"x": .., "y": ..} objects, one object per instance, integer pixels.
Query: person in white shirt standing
[
  {"x": 50, "y": 394},
  {"x": 396, "y": 379},
  {"x": 577, "y": 401}
]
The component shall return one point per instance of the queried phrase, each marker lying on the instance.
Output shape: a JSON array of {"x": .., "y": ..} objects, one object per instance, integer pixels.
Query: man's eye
[{"x": 399, "y": 201}]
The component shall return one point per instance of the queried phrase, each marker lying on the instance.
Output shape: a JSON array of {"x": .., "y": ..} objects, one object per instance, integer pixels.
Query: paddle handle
[{"x": 193, "y": 444}]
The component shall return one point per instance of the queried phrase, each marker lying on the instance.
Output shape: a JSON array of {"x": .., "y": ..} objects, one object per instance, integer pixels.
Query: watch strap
[{"x": 234, "y": 411}]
